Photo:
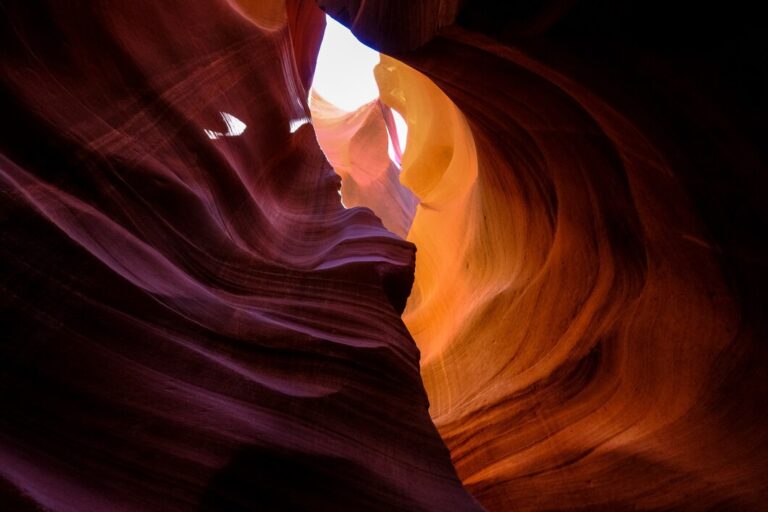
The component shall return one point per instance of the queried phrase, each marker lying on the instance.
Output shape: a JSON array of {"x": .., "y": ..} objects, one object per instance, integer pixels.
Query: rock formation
[
  {"x": 554, "y": 301},
  {"x": 590, "y": 275},
  {"x": 191, "y": 319}
]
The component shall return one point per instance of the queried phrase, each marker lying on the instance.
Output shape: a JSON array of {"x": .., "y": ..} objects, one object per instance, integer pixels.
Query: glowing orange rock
[
  {"x": 583, "y": 344},
  {"x": 440, "y": 167}
]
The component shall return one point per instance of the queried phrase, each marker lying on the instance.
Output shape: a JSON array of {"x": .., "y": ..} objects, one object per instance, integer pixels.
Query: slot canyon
[{"x": 525, "y": 270}]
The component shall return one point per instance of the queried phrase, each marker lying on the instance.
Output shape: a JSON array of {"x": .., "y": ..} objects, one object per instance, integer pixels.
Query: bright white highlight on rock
[
  {"x": 401, "y": 133},
  {"x": 344, "y": 70},
  {"x": 295, "y": 124},
  {"x": 341, "y": 199},
  {"x": 402, "y": 129},
  {"x": 235, "y": 127}
]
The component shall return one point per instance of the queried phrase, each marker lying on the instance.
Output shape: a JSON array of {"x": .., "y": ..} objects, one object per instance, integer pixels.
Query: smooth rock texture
[
  {"x": 566, "y": 280},
  {"x": 190, "y": 318},
  {"x": 589, "y": 295},
  {"x": 355, "y": 143},
  {"x": 391, "y": 25}
]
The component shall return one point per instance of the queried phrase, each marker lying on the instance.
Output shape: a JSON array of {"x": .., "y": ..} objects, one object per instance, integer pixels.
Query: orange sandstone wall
[{"x": 588, "y": 308}]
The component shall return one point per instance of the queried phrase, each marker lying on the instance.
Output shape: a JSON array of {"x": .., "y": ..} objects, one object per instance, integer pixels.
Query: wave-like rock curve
[
  {"x": 191, "y": 320},
  {"x": 587, "y": 304}
]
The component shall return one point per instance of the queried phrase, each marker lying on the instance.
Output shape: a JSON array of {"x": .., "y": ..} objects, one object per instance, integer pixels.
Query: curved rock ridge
[
  {"x": 393, "y": 25},
  {"x": 355, "y": 143},
  {"x": 598, "y": 316},
  {"x": 590, "y": 278},
  {"x": 190, "y": 318}
]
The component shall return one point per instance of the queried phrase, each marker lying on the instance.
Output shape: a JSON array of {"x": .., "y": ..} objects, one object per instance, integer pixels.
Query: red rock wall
[{"x": 190, "y": 318}]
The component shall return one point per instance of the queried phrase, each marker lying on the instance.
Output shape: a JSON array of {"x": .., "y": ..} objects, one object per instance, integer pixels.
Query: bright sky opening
[
  {"x": 344, "y": 72},
  {"x": 401, "y": 127},
  {"x": 344, "y": 76}
]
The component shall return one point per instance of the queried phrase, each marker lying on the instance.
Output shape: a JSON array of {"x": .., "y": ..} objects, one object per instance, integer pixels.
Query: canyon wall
[
  {"x": 190, "y": 318},
  {"x": 589, "y": 291},
  {"x": 555, "y": 300}
]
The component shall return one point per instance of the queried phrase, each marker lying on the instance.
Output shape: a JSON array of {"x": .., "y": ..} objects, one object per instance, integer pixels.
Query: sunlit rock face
[
  {"x": 356, "y": 143},
  {"x": 190, "y": 318},
  {"x": 352, "y": 129},
  {"x": 590, "y": 280}
]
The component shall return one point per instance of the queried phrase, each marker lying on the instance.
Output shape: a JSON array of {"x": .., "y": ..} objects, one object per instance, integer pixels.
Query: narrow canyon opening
[
  {"x": 403, "y": 149},
  {"x": 362, "y": 137}
]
